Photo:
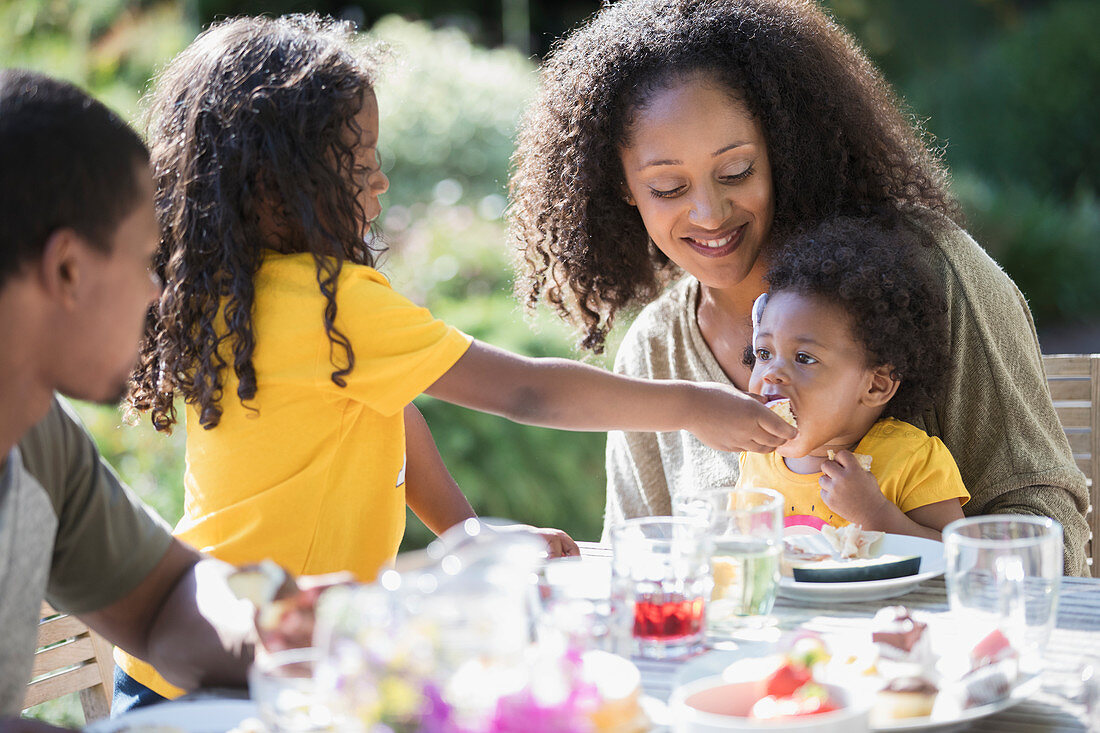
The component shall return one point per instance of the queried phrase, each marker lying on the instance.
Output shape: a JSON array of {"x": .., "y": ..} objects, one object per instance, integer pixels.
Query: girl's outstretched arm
[{"x": 561, "y": 393}]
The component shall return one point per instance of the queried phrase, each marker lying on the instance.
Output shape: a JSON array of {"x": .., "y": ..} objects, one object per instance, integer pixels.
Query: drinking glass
[
  {"x": 1004, "y": 572},
  {"x": 575, "y": 605},
  {"x": 746, "y": 531},
  {"x": 660, "y": 582},
  {"x": 282, "y": 685}
]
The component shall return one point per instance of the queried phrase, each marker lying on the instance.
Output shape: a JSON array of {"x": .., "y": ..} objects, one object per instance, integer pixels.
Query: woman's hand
[{"x": 727, "y": 419}]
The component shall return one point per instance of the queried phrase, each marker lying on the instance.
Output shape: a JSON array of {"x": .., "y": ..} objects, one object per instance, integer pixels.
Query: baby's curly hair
[
  {"x": 876, "y": 274},
  {"x": 255, "y": 118},
  {"x": 837, "y": 142}
]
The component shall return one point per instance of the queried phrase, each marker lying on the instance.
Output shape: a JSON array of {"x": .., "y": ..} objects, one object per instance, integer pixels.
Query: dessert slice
[{"x": 905, "y": 697}]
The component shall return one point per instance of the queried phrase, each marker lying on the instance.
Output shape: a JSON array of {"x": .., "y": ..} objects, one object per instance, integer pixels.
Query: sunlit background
[{"x": 1010, "y": 87}]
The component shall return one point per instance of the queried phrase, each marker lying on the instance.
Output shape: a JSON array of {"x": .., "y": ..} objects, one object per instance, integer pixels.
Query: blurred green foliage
[{"x": 1012, "y": 87}]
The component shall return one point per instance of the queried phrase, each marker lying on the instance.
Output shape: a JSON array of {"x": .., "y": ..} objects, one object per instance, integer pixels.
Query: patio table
[{"x": 1074, "y": 642}]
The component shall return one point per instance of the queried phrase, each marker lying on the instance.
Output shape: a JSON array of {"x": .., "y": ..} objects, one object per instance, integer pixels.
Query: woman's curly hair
[
  {"x": 836, "y": 139},
  {"x": 896, "y": 307},
  {"x": 252, "y": 130}
]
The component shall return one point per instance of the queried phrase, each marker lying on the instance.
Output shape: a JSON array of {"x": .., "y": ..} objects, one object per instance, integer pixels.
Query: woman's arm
[
  {"x": 566, "y": 394},
  {"x": 995, "y": 414}
]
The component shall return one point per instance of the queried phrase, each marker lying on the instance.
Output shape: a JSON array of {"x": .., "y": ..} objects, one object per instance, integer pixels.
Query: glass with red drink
[{"x": 660, "y": 583}]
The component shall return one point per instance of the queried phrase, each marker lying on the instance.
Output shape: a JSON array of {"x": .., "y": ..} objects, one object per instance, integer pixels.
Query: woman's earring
[{"x": 630, "y": 200}]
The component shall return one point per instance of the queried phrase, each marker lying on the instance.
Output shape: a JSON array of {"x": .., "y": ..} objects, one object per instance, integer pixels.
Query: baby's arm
[
  {"x": 566, "y": 394},
  {"x": 854, "y": 494},
  {"x": 434, "y": 496}
]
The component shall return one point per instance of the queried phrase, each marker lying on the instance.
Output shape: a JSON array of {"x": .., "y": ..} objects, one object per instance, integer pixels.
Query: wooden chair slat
[
  {"x": 1077, "y": 389},
  {"x": 56, "y": 629},
  {"x": 62, "y": 684},
  {"x": 63, "y": 655},
  {"x": 1067, "y": 365},
  {"x": 85, "y": 658},
  {"x": 1074, "y": 381},
  {"x": 1074, "y": 414}
]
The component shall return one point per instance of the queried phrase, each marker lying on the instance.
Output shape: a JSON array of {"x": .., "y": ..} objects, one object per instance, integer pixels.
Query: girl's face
[
  {"x": 696, "y": 167},
  {"x": 368, "y": 173},
  {"x": 805, "y": 351}
]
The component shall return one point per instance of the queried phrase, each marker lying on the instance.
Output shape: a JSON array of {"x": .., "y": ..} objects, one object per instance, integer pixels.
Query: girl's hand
[
  {"x": 558, "y": 543},
  {"x": 852, "y": 492},
  {"x": 727, "y": 419}
]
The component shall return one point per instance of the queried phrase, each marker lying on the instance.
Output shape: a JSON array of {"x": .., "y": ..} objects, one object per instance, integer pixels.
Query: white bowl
[{"x": 715, "y": 705}]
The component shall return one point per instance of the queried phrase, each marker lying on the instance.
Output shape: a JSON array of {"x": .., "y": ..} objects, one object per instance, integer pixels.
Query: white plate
[
  {"x": 193, "y": 716},
  {"x": 931, "y": 565},
  {"x": 1023, "y": 690},
  {"x": 715, "y": 663}
]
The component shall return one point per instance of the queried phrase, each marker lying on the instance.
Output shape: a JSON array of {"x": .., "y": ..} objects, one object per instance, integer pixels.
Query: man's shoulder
[{"x": 49, "y": 448}]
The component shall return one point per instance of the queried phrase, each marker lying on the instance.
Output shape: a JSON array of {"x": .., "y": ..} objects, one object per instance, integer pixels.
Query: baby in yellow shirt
[{"x": 853, "y": 332}]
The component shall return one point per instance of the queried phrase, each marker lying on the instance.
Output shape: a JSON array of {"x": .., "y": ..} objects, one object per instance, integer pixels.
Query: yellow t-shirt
[
  {"x": 913, "y": 470},
  {"x": 310, "y": 474}
]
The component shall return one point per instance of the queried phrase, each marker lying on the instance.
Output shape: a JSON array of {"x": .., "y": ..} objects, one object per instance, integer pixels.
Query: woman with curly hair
[
  {"x": 852, "y": 333},
  {"x": 296, "y": 360},
  {"x": 683, "y": 137}
]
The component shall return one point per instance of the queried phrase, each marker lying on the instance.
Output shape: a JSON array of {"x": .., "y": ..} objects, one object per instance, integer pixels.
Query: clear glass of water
[
  {"x": 660, "y": 582},
  {"x": 282, "y": 685},
  {"x": 1004, "y": 572},
  {"x": 746, "y": 531}
]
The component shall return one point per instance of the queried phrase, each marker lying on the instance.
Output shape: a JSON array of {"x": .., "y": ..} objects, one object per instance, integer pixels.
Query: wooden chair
[
  {"x": 1074, "y": 381},
  {"x": 71, "y": 658}
]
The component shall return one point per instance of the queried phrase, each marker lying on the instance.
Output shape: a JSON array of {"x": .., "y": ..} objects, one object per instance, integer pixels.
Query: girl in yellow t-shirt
[
  {"x": 853, "y": 331},
  {"x": 296, "y": 359}
]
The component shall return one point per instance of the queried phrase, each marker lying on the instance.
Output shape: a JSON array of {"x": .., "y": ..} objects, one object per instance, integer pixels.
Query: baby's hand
[
  {"x": 850, "y": 491},
  {"x": 728, "y": 419}
]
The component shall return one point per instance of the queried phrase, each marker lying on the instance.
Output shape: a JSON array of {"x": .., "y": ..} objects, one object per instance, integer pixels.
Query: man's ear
[
  {"x": 61, "y": 266},
  {"x": 882, "y": 388}
]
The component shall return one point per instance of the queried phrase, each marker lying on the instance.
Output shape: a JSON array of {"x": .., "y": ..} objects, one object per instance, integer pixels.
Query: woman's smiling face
[{"x": 696, "y": 166}]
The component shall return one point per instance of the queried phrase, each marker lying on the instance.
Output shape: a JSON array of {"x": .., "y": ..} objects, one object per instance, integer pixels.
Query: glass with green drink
[{"x": 746, "y": 530}]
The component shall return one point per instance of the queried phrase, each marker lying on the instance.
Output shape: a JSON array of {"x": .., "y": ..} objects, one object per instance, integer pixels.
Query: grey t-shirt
[{"x": 70, "y": 532}]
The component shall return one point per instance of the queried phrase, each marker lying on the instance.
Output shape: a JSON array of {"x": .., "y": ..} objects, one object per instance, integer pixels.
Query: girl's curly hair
[
  {"x": 896, "y": 307},
  {"x": 837, "y": 142},
  {"x": 254, "y": 121}
]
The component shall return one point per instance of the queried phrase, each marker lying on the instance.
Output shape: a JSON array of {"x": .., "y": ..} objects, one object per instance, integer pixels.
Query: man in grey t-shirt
[{"x": 77, "y": 238}]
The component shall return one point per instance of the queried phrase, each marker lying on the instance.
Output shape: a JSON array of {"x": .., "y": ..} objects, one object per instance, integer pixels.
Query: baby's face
[{"x": 805, "y": 351}]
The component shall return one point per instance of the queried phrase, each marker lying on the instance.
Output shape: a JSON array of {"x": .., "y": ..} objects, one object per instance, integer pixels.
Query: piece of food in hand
[
  {"x": 862, "y": 459},
  {"x": 850, "y": 541},
  {"x": 905, "y": 697},
  {"x": 782, "y": 407},
  {"x": 269, "y": 587}
]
